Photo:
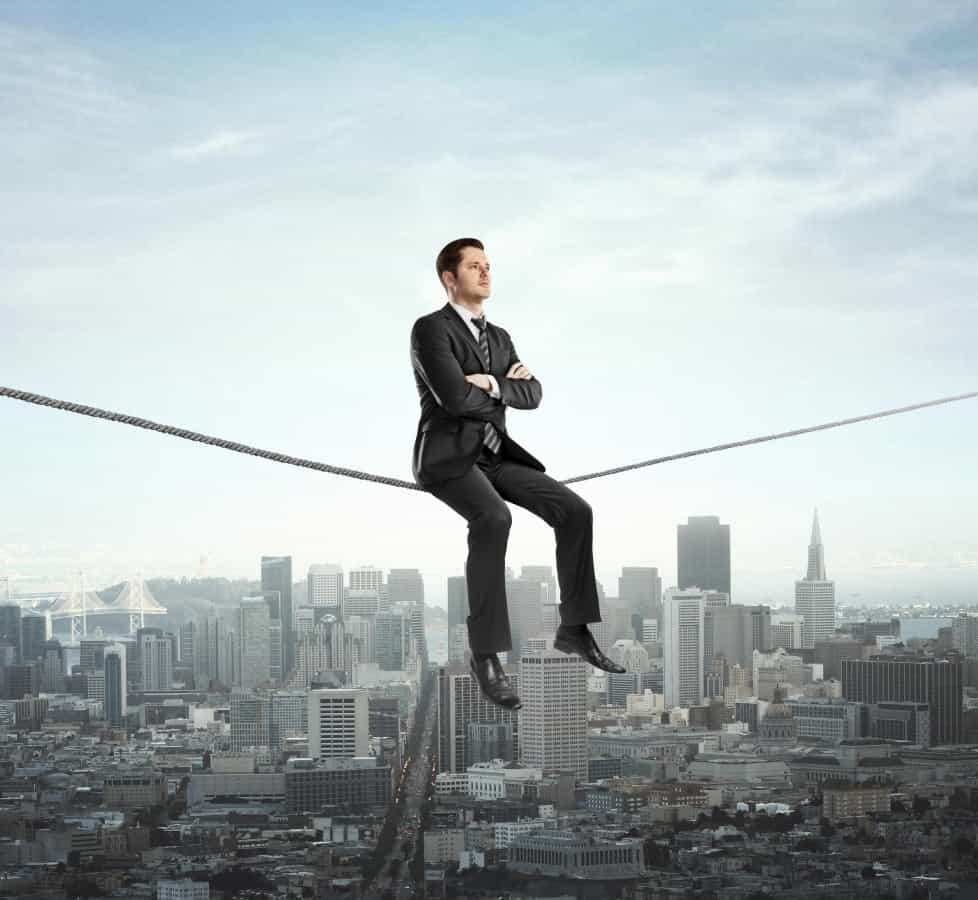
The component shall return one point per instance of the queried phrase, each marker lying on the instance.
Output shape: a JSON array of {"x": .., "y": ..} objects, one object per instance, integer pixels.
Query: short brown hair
[{"x": 451, "y": 255}]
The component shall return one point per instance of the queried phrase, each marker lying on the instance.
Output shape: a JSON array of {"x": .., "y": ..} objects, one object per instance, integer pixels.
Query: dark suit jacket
[{"x": 453, "y": 411}]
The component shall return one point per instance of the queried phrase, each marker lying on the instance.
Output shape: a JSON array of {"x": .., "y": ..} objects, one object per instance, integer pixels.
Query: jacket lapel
[{"x": 461, "y": 329}]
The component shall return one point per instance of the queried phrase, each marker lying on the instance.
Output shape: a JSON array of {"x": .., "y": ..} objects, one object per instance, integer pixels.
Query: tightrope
[{"x": 274, "y": 456}]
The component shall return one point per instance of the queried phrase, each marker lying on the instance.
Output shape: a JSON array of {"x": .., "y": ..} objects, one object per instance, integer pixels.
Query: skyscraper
[
  {"x": 815, "y": 595},
  {"x": 276, "y": 575},
  {"x": 366, "y": 578},
  {"x": 704, "y": 554},
  {"x": 114, "y": 668},
  {"x": 209, "y": 647},
  {"x": 458, "y": 601},
  {"x": 91, "y": 654},
  {"x": 187, "y": 633},
  {"x": 10, "y": 628},
  {"x": 553, "y": 687},
  {"x": 276, "y": 650},
  {"x": 155, "y": 659},
  {"x": 524, "y": 598},
  {"x": 325, "y": 587},
  {"x": 254, "y": 642},
  {"x": 683, "y": 642},
  {"x": 391, "y": 637},
  {"x": 52, "y": 666},
  {"x": 33, "y": 633},
  {"x": 640, "y": 591},
  {"x": 405, "y": 587}
]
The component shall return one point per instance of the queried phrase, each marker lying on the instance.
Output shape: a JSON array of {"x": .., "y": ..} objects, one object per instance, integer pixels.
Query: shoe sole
[{"x": 567, "y": 648}]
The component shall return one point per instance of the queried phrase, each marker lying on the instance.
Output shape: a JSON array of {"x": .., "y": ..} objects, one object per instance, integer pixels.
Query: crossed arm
[{"x": 465, "y": 395}]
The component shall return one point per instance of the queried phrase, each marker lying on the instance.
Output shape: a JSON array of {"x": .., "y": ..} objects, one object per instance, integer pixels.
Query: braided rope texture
[{"x": 272, "y": 455}]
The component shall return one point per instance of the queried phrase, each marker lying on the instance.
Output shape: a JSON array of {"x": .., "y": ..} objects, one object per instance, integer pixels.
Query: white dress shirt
[{"x": 467, "y": 317}]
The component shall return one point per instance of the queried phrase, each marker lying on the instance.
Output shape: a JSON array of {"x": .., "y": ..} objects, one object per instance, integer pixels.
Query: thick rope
[{"x": 94, "y": 411}]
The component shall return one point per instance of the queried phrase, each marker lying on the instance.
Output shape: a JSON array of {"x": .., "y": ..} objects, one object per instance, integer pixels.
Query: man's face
[{"x": 473, "y": 279}]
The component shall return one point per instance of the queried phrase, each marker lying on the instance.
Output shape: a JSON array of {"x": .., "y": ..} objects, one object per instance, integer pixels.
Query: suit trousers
[{"x": 479, "y": 496}]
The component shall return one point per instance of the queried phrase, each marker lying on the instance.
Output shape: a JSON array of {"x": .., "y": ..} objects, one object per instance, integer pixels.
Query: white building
[
  {"x": 682, "y": 639},
  {"x": 786, "y": 630},
  {"x": 182, "y": 889},
  {"x": 338, "y": 723},
  {"x": 815, "y": 595},
  {"x": 553, "y": 720},
  {"x": 507, "y": 832},
  {"x": 489, "y": 780},
  {"x": 325, "y": 587}
]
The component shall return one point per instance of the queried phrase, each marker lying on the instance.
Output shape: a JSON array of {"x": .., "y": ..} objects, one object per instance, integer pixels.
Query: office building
[
  {"x": 254, "y": 643},
  {"x": 704, "y": 554},
  {"x": 114, "y": 685},
  {"x": 208, "y": 647},
  {"x": 786, "y": 631},
  {"x": 524, "y": 598},
  {"x": 276, "y": 575},
  {"x": 325, "y": 587},
  {"x": 964, "y": 634},
  {"x": 640, "y": 591},
  {"x": 553, "y": 688},
  {"x": 10, "y": 628},
  {"x": 735, "y": 632},
  {"x": 338, "y": 723},
  {"x": 366, "y": 578},
  {"x": 356, "y": 784},
  {"x": 460, "y": 702},
  {"x": 155, "y": 659},
  {"x": 936, "y": 683},
  {"x": 405, "y": 588},
  {"x": 250, "y": 720},
  {"x": 33, "y": 633},
  {"x": 683, "y": 643},
  {"x": 52, "y": 667},
  {"x": 391, "y": 639},
  {"x": 458, "y": 602}
]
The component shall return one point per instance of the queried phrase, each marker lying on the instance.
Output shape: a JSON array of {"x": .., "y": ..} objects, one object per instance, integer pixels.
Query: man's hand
[
  {"x": 517, "y": 370},
  {"x": 480, "y": 381}
]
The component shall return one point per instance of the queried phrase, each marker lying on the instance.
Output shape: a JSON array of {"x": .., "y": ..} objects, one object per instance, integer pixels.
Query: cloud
[{"x": 221, "y": 143}]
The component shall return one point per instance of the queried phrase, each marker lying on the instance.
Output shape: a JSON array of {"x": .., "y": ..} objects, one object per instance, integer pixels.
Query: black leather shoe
[
  {"x": 583, "y": 644},
  {"x": 494, "y": 682}
]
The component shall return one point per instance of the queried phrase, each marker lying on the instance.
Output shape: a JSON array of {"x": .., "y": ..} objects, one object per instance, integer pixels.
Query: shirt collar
[{"x": 464, "y": 312}]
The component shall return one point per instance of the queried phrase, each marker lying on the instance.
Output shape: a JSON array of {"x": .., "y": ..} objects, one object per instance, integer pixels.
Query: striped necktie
[{"x": 492, "y": 439}]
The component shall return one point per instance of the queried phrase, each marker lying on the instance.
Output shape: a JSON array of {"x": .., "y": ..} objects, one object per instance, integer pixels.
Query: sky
[{"x": 706, "y": 222}]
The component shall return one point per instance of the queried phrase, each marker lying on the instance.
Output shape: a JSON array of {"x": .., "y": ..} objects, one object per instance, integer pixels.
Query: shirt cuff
[{"x": 495, "y": 387}]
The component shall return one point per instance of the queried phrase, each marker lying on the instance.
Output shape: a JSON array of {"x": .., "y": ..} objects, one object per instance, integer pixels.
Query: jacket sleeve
[
  {"x": 433, "y": 359},
  {"x": 519, "y": 393}
]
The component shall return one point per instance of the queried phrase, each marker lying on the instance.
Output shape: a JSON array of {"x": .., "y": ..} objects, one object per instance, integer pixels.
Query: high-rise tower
[{"x": 815, "y": 595}]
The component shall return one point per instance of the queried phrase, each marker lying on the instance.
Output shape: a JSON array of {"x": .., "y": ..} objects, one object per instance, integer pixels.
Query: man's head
[{"x": 463, "y": 270}]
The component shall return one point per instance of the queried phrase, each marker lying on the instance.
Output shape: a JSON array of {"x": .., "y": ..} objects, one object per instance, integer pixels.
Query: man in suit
[{"x": 467, "y": 373}]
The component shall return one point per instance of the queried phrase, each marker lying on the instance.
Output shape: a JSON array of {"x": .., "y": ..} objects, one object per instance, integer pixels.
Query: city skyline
[
  {"x": 699, "y": 230},
  {"x": 897, "y": 585}
]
